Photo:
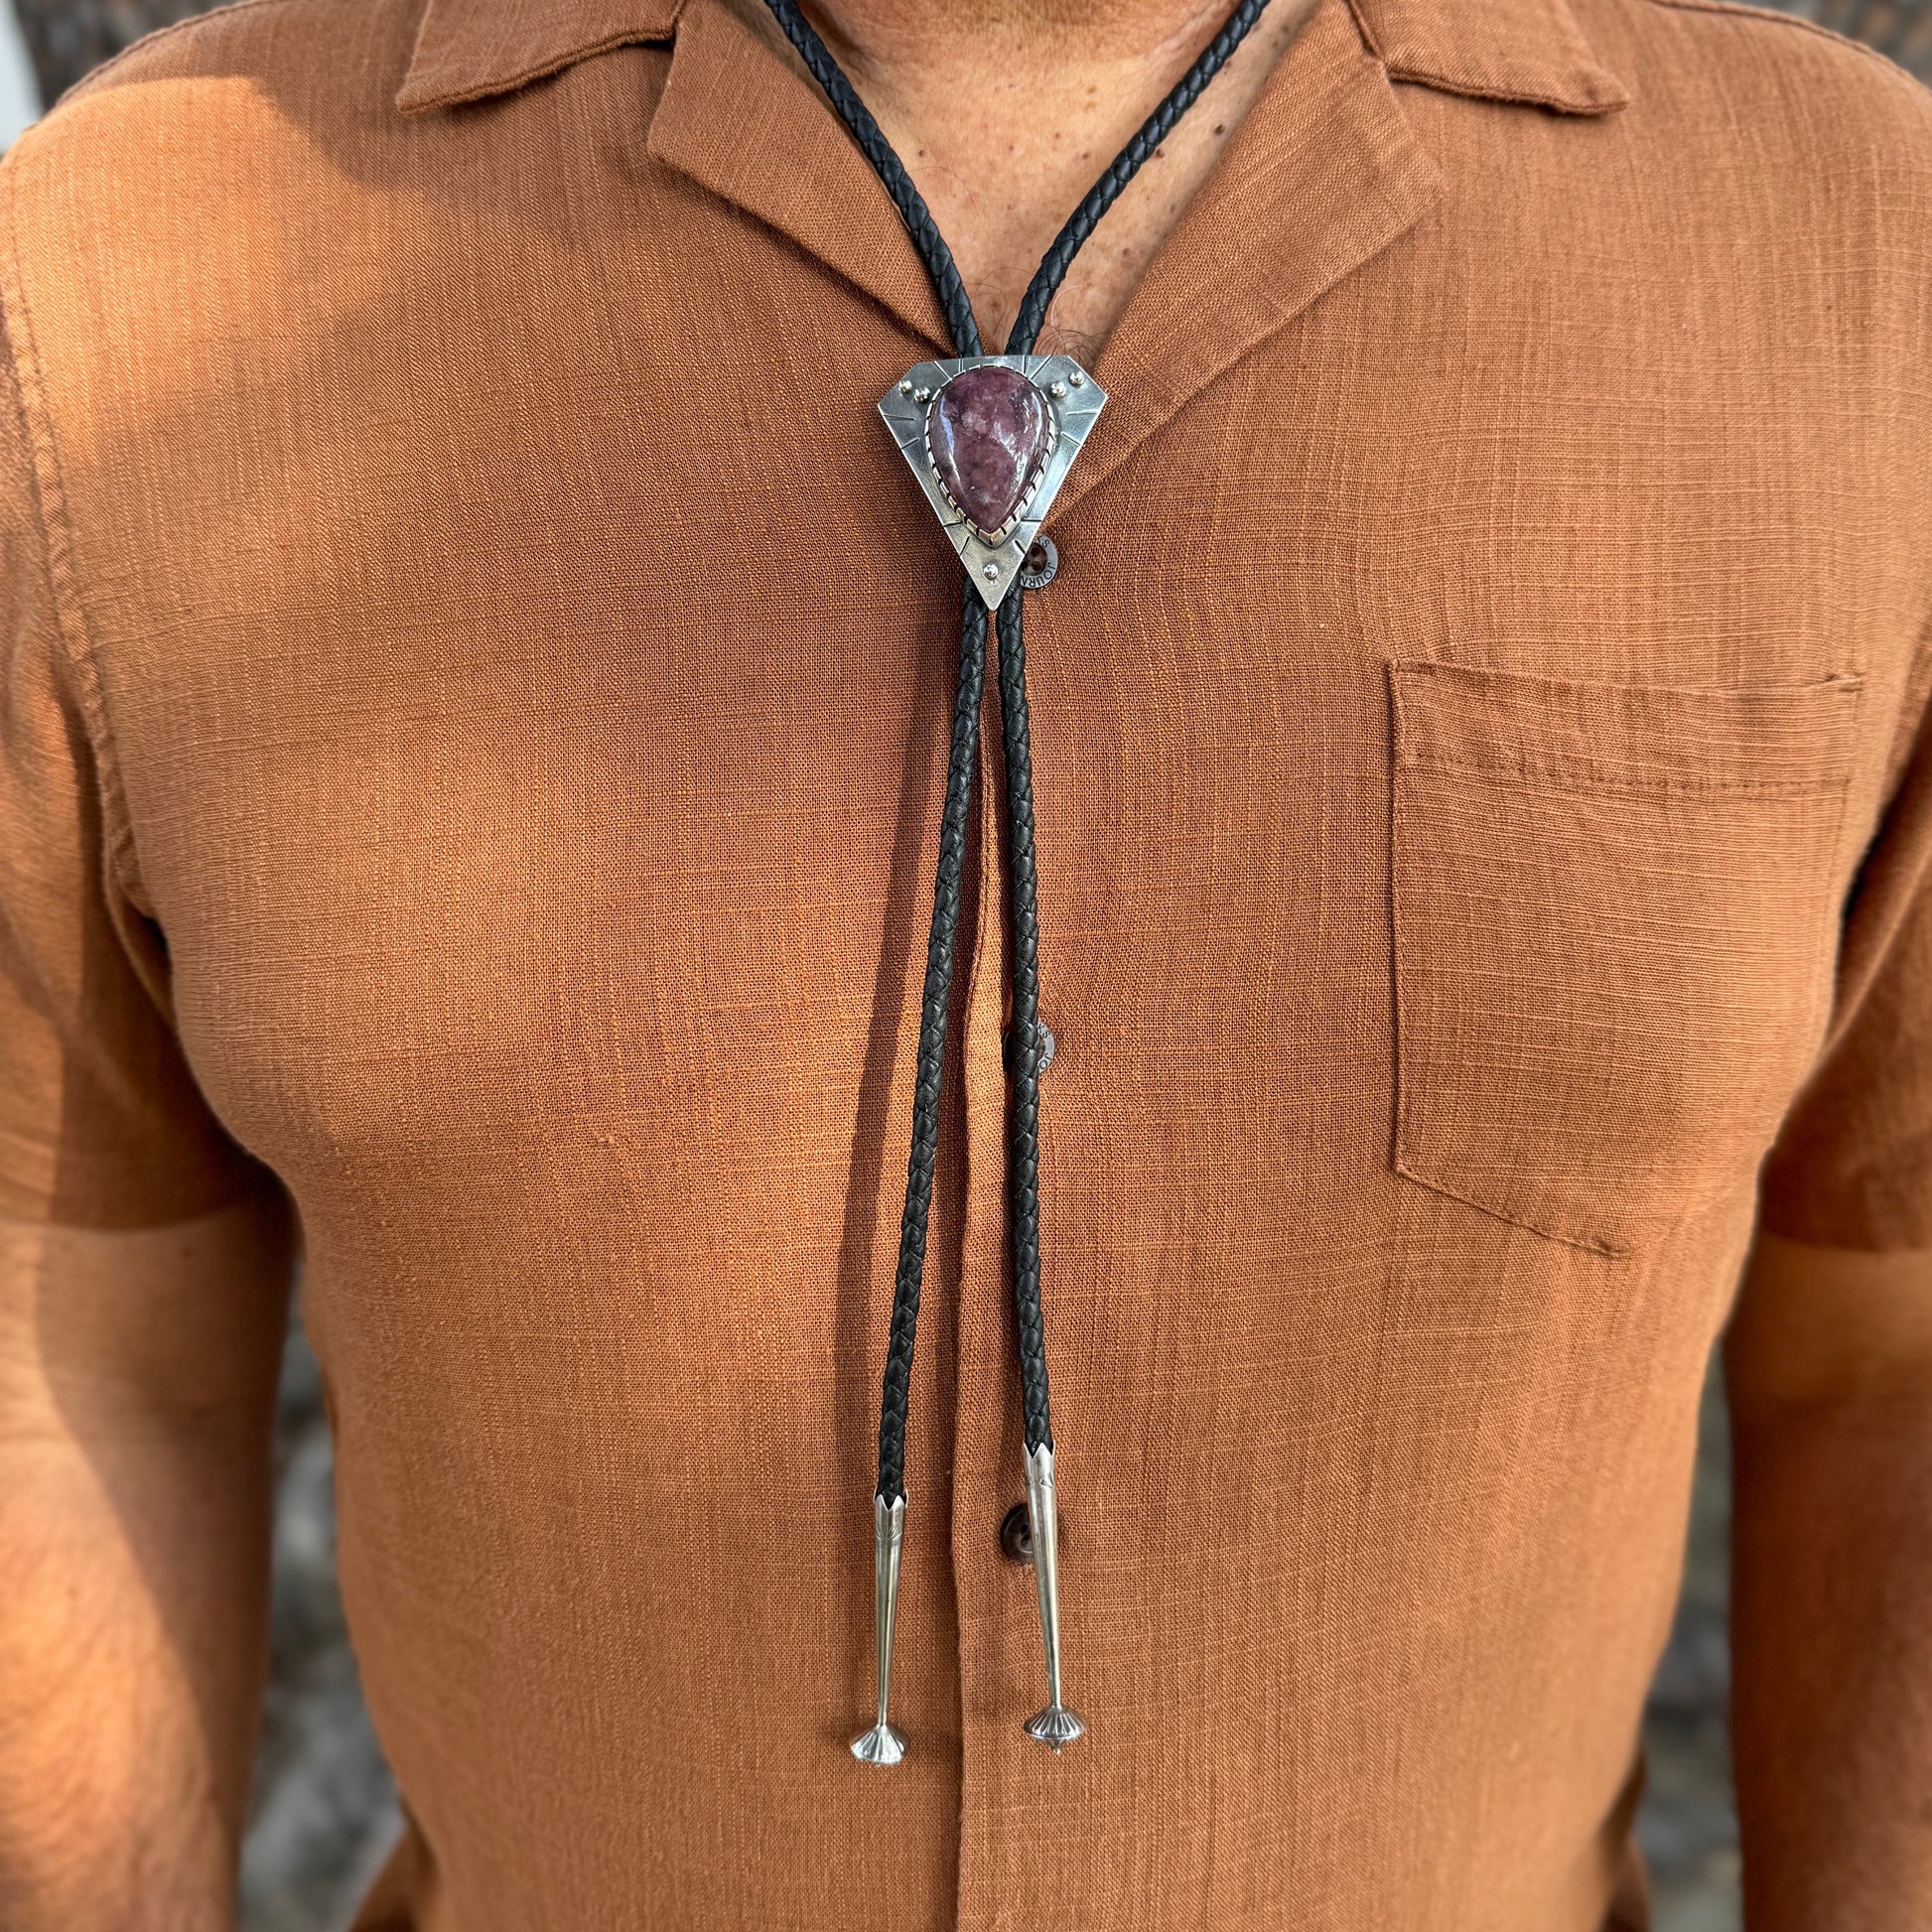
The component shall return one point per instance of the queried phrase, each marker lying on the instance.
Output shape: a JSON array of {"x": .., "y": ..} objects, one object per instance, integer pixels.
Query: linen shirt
[{"x": 477, "y": 684}]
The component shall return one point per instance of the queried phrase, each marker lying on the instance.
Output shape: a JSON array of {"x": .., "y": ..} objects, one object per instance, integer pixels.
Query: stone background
[
  {"x": 325, "y": 1808},
  {"x": 324, "y": 1803}
]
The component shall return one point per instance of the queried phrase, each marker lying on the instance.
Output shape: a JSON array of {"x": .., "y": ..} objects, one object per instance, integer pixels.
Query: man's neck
[{"x": 1006, "y": 111}]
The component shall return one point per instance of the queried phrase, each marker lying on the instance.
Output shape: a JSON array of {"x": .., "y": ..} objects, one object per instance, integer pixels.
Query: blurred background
[{"x": 323, "y": 1805}]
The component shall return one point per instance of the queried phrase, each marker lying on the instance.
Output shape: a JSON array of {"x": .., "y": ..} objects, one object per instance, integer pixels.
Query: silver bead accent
[
  {"x": 1078, "y": 378},
  {"x": 990, "y": 572},
  {"x": 1056, "y": 390},
  {"x": 1054, "y": 1725},
  {"x": 905, "y": 387},
  {"x": 883, "y": 1743},
  {"x": 921, "y": 395}
]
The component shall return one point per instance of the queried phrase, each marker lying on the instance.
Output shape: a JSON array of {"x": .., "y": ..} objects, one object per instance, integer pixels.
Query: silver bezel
[{"x": 993, "y": 563}]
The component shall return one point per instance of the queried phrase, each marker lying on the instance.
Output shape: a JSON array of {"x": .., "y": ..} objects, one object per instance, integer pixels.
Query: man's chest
[
  {"x": 1448, "y": 759},
  {"x": 532, "y": 699}
]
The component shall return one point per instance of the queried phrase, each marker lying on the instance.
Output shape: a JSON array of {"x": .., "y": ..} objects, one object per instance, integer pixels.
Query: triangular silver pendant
[{"x": 991, "y": 450}]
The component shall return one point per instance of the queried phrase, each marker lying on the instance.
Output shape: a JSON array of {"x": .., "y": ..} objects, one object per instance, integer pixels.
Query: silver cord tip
[
  {"x": 883, "y": 1743},
  {"x": 1054, "y": 1725}
]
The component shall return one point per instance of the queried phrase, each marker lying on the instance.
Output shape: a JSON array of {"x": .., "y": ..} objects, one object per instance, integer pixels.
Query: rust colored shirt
[{"x": 476, "y": 682}]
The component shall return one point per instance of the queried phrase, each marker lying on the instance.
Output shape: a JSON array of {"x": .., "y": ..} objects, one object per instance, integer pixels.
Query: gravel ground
[
  {"x": 324, "y": 1803},
  {"x": 324, "y": 1807},
  {"x": 1687, "y": 1826}
]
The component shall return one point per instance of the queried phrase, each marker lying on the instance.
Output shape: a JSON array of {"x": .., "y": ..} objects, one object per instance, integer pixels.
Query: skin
[
  {"x": 1006, "y": 111},
  {"x": 137, "y": 1368},
  {"x": 137, "y": 1382}
]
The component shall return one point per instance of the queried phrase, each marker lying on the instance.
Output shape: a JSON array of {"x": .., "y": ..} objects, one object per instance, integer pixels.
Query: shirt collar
[
  {"x": 1529, "y": 51},
  {"x": 468, "y": 50}
]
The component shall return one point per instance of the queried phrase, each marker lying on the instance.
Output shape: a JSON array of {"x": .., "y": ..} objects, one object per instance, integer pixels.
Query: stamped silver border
[{"x": 1074, "y": 399}]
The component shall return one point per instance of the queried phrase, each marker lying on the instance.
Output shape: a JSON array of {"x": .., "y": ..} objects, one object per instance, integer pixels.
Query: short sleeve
[
  {"x": 101, "y": 1122},
  {"x": 1852, "y": 1165}
]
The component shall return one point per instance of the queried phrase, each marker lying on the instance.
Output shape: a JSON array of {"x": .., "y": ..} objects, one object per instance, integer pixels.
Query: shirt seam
[
  {"x": 54, "y": 527},
  {"x": 1525, "y": 95},
  {"x": 1849, "y": 995},
  {"x": 1529, "y": 774}
]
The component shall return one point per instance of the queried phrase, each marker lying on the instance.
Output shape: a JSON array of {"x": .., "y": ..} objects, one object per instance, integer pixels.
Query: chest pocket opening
[{"x": 1614, "y": 934}]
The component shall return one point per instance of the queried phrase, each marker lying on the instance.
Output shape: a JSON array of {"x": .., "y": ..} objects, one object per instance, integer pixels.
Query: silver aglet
[
  {"x": 1056, "y": 1725},
  {"x": 883, "y": 1745}
]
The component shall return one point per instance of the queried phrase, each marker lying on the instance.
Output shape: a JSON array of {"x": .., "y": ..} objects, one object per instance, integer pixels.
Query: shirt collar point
[
  {"x": 470, "y": 49},
  {"x": 1528, "y": 51}
]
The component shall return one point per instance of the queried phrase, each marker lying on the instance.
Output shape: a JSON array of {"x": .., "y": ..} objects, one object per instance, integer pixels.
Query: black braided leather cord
[
  {"x": 1126, "y": 165},
  {"x": 896, "y": 1397},
  {"x": 911, "y": 207},
  {"x": 1023, "y": 1171},
  {"x": 1024, "y": 1178},
  {"x": 896, "y": 1394}
]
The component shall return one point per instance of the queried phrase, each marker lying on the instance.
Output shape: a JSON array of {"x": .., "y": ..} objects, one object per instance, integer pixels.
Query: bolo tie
[{"x": 990, "y": 440}]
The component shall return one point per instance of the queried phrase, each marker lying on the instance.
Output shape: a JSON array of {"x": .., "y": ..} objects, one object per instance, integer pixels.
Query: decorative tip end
[
  {"x": 1055, "y": 1726},
  {"x": 881, "y": 1744}
]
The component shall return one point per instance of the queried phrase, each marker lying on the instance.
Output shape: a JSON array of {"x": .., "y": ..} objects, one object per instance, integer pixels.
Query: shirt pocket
[{"x": 1614, "y": 934}]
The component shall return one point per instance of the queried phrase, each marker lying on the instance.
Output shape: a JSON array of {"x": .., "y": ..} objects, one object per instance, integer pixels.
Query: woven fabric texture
[{"x": 473, "y": 716}]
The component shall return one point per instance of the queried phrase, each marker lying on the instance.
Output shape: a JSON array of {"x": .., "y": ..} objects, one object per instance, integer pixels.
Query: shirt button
[
  {"x": 1017, "y": 1534},
  {"x": 1039, "y": 565},
  {"x": 1046, "y": 1043}
]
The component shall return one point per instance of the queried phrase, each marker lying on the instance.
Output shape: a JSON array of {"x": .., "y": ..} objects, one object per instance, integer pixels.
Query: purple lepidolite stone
[{"x": 989, "y": 431}]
